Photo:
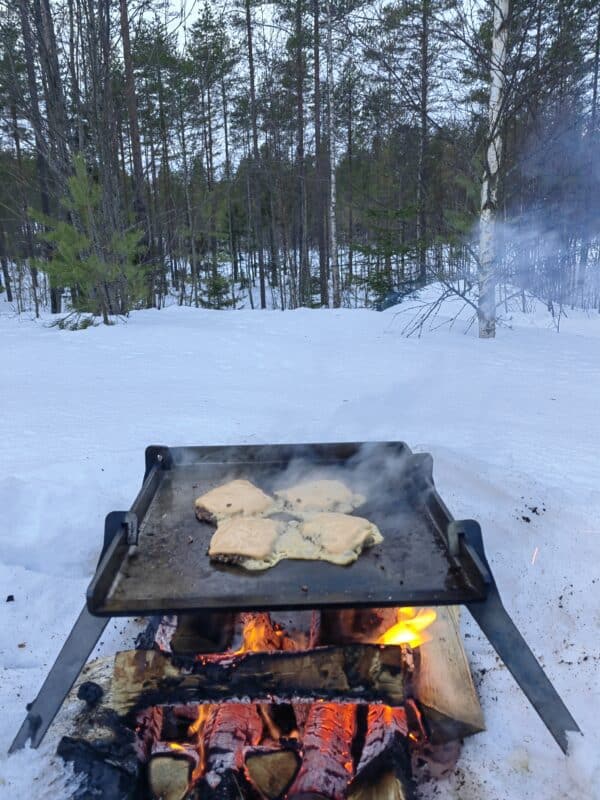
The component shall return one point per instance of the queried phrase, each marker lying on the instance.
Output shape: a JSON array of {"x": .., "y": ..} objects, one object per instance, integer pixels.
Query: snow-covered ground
[{"x": 513, "y": 425}]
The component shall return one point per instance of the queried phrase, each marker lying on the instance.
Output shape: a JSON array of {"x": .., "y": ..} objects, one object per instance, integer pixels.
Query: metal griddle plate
[
  {"x": 154, "y": 559},
  {"x": 163, "y": 566}
]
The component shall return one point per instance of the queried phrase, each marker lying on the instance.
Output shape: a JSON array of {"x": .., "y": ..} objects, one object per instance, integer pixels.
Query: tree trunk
[
  {"x": 489, "y": 189},
  {"x": 304, "y": 265},
  {"x": 423, "y": 142},
  {"x": 319, "y": 170},
  {"x": 333, "y": 250},
  {"x": 134, "y": 129},
  {"x": 255, "y": 193},
  {"x": 350, "y": 271},
  {"x": 4, "y": 265},
  {"x": 35, "y": 118}
]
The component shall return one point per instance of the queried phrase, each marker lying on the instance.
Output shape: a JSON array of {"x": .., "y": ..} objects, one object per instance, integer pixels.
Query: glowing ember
[{"x": 410, "y": 627}]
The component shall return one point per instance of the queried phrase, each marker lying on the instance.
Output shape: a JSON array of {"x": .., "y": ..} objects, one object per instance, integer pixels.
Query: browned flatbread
[
  {"x": 257, "y": 543},
  {"x": 236, "y": 498},
  {"x": 242, "y": 539},
  {"x": 339, "y": 538},
  {"x": 323, "y": 495}
]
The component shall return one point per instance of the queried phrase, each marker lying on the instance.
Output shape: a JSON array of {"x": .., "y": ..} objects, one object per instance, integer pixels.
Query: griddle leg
[
  {"x": 504, "y": 636},
  {"x": 71, "y": 659}
]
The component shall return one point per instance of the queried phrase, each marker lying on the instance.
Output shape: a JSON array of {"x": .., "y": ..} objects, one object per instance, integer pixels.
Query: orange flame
[
  {"x": 195, "y": 731},
  {"x": 410, "y": 627},
  {"x": 257, "y": 634}
]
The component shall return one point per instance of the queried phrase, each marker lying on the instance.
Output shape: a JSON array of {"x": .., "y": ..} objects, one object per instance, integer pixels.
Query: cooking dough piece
[
  {"x": 325, "y": 495},
  {"x": 256, "y": 543},
  {"x": 339, "y": 538},
  {"x": 246, "y": 540},
  {"x": 239, "y": 497}
]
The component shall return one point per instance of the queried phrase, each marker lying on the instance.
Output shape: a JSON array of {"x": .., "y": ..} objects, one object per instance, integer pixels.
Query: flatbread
[
  {"x": 236, "y": 498},
  {"x": 257, "y": 544},
  {"x": 242, "y": 539},
  {"x": 325, "y": 495},
  {"x": 339, "y": 538}
]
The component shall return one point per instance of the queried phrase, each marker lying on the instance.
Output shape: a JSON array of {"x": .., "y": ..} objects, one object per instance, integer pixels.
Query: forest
[{"x": 298, "y": 153}]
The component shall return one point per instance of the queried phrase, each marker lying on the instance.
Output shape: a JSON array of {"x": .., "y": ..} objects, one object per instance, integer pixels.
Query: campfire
[
  {"x": 309, "y": 704},
  {"x": 307, "y": 679}
]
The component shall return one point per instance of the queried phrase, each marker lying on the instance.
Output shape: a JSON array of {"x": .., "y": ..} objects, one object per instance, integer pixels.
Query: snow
[{"x": 512, "y": 425}]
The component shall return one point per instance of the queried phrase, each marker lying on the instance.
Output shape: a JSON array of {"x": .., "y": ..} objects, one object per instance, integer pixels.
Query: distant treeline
[{"x": 326, "y": 152}]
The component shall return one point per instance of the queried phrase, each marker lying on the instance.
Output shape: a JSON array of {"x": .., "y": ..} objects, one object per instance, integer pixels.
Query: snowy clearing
[{"x": 513, "y": 426}]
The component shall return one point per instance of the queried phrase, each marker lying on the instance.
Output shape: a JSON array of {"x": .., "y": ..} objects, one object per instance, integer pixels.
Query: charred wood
[
  {"x": 230, "y": 728},
  {"x": 327, "y": 764},
  {"x": 385, "y": 750},
  {"x": 352, "y": 673},
  {"x": 348, "y": 625}
]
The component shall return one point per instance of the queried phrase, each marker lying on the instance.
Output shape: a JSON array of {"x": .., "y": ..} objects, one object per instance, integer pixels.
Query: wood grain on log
[
  {"x": 385, "y": 748},
  {"x": 442, "y": 682},
  {"x": 170, "y": 770},
  {"x": 385, "y": 787},
  {"x": 230, "y": 728},
  {"x": 272, "y": 769},
  {"x": 352, "y": 673},
  {"x": 327, "y": 764}
]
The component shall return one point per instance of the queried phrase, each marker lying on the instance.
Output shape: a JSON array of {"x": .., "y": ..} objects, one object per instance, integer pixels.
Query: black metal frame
[{"x": 464, "y": 538}]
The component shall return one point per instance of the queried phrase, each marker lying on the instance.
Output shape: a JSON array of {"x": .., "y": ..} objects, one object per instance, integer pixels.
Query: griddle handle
[
  {"x": 71, "y": 659},
  {"x": 505, "y": 638}
]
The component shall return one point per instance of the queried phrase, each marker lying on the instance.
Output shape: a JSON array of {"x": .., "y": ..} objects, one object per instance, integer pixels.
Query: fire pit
[{"x": 304, "y": 680}]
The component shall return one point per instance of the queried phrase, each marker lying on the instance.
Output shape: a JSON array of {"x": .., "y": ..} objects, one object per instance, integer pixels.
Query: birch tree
[
  {"x": 333, "y": 250},
  {"x": 489, "y": 189}
]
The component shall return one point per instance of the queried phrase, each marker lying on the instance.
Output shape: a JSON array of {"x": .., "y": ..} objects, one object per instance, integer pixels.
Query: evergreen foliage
[{"x": 99, "y": 265}]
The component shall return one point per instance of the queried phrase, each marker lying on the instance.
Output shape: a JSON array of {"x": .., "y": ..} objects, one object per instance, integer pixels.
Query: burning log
[
  {"x": 170, "y": 770},
  {"x": 442, "y": 682},
  {"x": 272, "y": 769},
  {"x": 386, "y": 787},
  {"x": 229, "y": 730},
  {"x": 102, "y": 749},
  {"x": 349, "y": 674},
  {"x": 327, "y": 766},
  {"x": 348, "y": 625},
  {"x": 256, "y": 631},
  {"x": 385, "y": 752}
]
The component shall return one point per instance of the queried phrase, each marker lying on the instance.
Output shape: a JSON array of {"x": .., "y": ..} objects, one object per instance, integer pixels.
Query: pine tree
[{"x": 100, "y": 265}]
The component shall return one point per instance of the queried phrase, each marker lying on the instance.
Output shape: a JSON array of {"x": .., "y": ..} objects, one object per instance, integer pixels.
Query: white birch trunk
[
  {"x": 489, "y": 189},
  {"x": 333, "y": 252}
]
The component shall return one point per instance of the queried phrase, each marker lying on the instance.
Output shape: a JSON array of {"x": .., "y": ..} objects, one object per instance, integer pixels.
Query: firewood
[
  {"x": 385, "y": 787},
  {"x": 148, "y": 729},
  {"x": 354, "y": 625},
  {"x": 385, "y": 749},
  {"x": 442, "y": 682},
  {"x": 170, "y": 770},
  {"x": 272, "y": 769},
  {"x": 327, "y": 764},
  {"x": 101, "y": 749},
  {"x": 230, "y": 728},
  {"x": 351, "y": 673},
  {"x": 256, "y": 631},
  {"x": 202, "y": 632}
]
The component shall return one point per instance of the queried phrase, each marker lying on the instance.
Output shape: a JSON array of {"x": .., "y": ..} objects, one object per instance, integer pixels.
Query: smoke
[{"x": 548, "y": 242}]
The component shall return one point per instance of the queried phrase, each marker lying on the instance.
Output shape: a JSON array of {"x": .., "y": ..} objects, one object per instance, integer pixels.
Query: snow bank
[{"x": 512, "y": 425}]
